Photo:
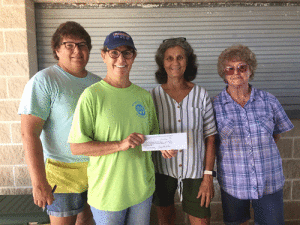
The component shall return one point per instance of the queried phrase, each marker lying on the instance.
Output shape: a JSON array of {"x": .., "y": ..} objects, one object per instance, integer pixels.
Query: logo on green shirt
[{"x": 140, "y": 109}]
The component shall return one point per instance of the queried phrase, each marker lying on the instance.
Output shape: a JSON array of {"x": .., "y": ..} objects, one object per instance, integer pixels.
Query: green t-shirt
[{"x": 105, "y": 113}]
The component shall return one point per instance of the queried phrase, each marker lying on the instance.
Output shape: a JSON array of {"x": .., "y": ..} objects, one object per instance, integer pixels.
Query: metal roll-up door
[{"x": 271, "y": 31}]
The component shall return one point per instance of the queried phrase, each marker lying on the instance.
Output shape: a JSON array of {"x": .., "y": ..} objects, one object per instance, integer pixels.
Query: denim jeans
[{"x": 135, "y": 215}]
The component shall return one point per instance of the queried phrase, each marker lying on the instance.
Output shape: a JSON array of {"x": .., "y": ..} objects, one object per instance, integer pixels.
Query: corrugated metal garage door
[{"x": 272, "y": 32}]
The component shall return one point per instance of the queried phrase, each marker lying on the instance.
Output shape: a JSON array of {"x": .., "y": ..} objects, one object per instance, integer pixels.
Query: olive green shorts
[{"x": 165, "y": 190}]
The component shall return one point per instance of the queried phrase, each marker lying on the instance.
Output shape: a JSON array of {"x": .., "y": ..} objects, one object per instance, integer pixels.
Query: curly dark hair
[
  {"x": 191, "y": 68},
  {"x": 237, "y": 52},
  {"x": 69, "y": 29}
]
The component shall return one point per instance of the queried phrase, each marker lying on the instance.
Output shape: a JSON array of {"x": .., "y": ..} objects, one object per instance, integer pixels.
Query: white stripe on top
[{"x": 193, "y": 115}]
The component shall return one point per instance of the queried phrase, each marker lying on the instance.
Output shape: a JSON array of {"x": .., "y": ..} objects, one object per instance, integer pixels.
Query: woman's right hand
[
  {"x": 133, "y": 140},
  {"x": 168, "y": 154},
  {"x": 42, "y": 194}
]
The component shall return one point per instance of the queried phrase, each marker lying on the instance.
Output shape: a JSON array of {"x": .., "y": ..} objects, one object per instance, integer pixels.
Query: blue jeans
[
  {"x": 268, "y": 210},
  {"x": 135, "y": 215},
  {"x": 67, "y": 204}
]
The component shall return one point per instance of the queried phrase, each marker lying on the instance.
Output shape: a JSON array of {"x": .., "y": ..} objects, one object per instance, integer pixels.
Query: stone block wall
[
  {"x": 17, "y": 42},
  {"x": 18, "y": 62}
]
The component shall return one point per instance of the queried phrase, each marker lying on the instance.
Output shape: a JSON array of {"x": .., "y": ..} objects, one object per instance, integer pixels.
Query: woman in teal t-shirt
[{"x": 109, "y": 125}]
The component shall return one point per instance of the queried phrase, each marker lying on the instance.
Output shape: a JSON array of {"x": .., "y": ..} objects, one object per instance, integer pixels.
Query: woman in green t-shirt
[{"x": 109, "y": 125}]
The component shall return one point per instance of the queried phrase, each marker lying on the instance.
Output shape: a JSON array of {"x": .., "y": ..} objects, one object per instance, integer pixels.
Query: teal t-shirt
[
  {"x": 52, "y": 95},
  {"x": 105, "y": 113}
]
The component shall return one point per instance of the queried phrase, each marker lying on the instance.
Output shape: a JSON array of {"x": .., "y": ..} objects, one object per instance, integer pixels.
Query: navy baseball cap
[{"x": 117, "y": 39}]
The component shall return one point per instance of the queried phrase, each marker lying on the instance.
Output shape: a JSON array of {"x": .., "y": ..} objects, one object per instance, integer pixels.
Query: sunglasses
[
  {"x": 175, "y": 39},
  {"x": 230, "y": 70}
]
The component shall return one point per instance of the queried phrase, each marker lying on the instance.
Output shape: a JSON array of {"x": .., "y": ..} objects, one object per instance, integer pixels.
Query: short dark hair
[
  {"x": 237, "y": 52},
  {"x": 191, "y": 68},
  {"x": 69, "y": 29}
]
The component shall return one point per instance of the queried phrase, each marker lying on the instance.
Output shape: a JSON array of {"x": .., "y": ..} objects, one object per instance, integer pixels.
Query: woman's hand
[
  {"x": 42, "y": 194},
  {"x": 206, "y": 190},
  {"x": 168, "y": 154},
  {"x": 133, "y": 140}
]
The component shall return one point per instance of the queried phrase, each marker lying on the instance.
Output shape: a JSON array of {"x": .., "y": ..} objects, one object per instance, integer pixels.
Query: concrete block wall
[
  {"x": 18, "y": 62},
  {"x": 17, "y": 43}
]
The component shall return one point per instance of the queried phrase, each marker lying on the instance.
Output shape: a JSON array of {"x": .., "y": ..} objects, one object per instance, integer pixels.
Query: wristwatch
[{"x": 213, "y": 173}]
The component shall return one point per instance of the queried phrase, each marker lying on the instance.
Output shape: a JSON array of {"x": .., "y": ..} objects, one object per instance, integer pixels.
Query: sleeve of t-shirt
[
  {"x": 83, "y": 120},
  {"x": 282, "y": 122},
  {"x": 209, "y": 125},
  {"x": 36, "y": 98}
]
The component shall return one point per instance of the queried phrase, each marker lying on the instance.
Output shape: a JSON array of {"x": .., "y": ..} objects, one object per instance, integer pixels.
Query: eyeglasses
[
  {"x": 175, "y": 39},
  {"x": 72, "y": 45},
  {"x": 242, "y": 68},
  {"x": 127, "y": 54}
]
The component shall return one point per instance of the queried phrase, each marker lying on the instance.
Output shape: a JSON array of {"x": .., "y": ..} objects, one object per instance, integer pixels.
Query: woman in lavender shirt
[{"x": 249, "y": 122}]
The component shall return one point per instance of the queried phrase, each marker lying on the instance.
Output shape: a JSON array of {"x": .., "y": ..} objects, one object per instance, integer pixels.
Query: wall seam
[
  {"x": 293, "y": 147},
  {"x": 8, "y": 122},
  {"x": 292, "y": 183},
  {"x": 14, "y": 175},
  {"x": 11, "y": 144},
  {"x": 4, "y": 41}
]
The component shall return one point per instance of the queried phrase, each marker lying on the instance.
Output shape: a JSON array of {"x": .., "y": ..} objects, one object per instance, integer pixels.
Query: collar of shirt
[{"x": 226, "y": 98}]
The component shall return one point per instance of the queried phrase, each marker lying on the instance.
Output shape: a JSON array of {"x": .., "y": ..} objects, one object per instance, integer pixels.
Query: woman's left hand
[
  {"x": 168, "y": 154},
  {"x": 206, "y": 190}
]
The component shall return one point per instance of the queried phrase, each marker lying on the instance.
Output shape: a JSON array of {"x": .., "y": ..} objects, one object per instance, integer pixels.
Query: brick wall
[
  {"x": 17, "y": 43},
  {"x": 18, "y": 62}
]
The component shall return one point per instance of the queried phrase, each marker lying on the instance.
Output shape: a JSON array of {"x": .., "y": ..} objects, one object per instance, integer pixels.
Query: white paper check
[{"x": 165, "y": 142}]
